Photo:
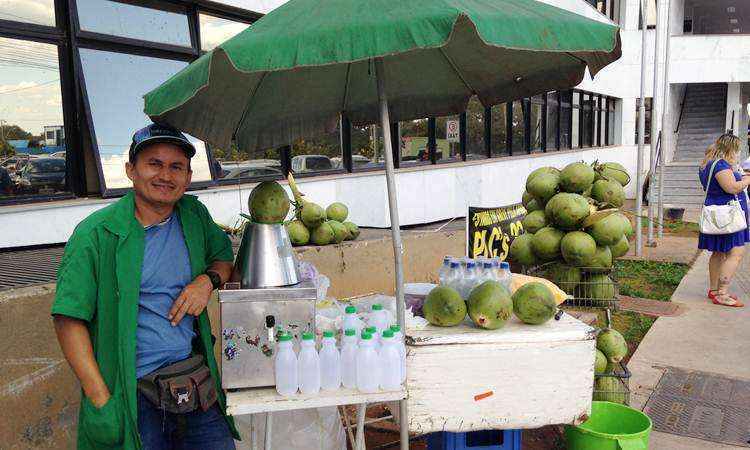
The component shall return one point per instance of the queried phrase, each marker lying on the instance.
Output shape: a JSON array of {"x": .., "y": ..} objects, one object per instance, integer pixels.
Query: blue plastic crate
[{"x": 476, "y": 440}]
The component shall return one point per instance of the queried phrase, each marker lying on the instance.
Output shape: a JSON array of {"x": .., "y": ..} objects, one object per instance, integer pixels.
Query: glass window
[
  {"x": 647, "y": 106},
  {"x": 39, "y": 12},
  {"x": 519, "y": 127},
  {"x": 447, "y": 138},
  {"x": 552, "y": 117},
  {"x": 536, "y": 123},
  {"x": 215, "y": 30},
  {"x": 413, "y": 142},
  {"x": 475, "y": 130},
  {"x": 566, "y": 119},
  {"x": 611, "y": 121},
  {"x": 499, "y": 136},
  {"x": 237, "y": 163},
  {"x": 116, "y": 83},
  {"x": 587, "y": 120},
  {"x": 575, "y": 126},
  {"x": 135, "y": 22},
  {"x": 263, "y": 6},
  {"x": 318, "y": 154},
  {"x": 31, "y": 121},
  {"x": 367, "y": 147}
]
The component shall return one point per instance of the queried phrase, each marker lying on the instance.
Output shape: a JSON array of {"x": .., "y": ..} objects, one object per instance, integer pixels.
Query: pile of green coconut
[
  {"x": 574, "y": 228},
  {"x": 611, "y": 349},
  {"x": 269, "y": 203}
]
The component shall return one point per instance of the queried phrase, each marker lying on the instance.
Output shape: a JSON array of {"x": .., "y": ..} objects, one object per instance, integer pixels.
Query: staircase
[{"x": 703, "y": 120}]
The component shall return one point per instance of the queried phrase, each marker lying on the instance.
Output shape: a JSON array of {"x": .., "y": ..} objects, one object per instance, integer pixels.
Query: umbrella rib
[
  {"x": 458, "y": 72},
  {"x": 247, "y": 105},
  {"x": 346, "y": 87}
]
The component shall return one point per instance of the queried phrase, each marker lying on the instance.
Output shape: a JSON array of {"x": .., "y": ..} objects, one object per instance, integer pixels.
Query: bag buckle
[{"x": 181, "y": 394}]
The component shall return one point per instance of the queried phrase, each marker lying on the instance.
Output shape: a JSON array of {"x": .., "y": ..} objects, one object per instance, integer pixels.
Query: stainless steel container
[
  {"x": 269, "y": 259},
  {"x": 251, "y": 320}
]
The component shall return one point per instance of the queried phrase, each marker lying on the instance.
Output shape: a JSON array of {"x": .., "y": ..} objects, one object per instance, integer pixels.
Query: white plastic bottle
[
  {"x": 330, "y": 363},
  {"x": 368, "y": 380},
  {"x": 349, "y": 359},
  {"x": 308, "y": 365},
  {"x": 375, "y": 337},
  {"x": 285, "y": 367},
  {"x": 379, "y": 319},
  {"x": 504, "y": 276},
  {"x": 444, "y": 270},
  {"x": 390, "y": 364},
  {"x": 398, "y": 338},
  {"x": 351, "y": 320}
]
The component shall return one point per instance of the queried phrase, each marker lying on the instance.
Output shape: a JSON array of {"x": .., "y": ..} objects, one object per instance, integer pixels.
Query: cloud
[
  {"x": 214, "y": 31},
  {"x": 33, "y": 11}
]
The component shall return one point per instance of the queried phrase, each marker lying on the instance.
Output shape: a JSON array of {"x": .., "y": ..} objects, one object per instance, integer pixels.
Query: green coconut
[
  {"x": 609, "y": 389},
  {"x": 612, "y": 171},
  {"x": 601, "y": 261},
  {"x": 600, "y": 364},
  {"x": 546, "y": 243},
  {"x": 311, "y": 214},
  {"x": 607, "y": 231},
  {"x": 323, "y": 234},
  {"x": 541, "y": 170},
  {"x": 597, "y": 288},
  {"x": 567, "y": 211},
  {"x": 576, "y": 177},
  {"x": 564, "y": 276},
  {"x": 608, "y": 193},
  {"x": 340, "y": 232},
  {"x": 534, "y": 303},
  {"x": 627, "y": 227},
  {"x": 268, "y": 203},
  {"x": 337, "y": 211},
  {"x": 444, "y": 307},
  {"x": 526, "y": 198},
  {"x": 520, "y": 251},
  {"x": 298, "y": 232},
  {"x": 612, "y": 344},
  {"x": 578, "y": 248},
  {"x": 543, "y": 186},
  {"x": 534, "y": 221},
  {"x": 490, "y": 305},
  {"x": 534, "y": 205},
  {"x": 621, "y": 248},
  {"x": 353, "y": 230}
]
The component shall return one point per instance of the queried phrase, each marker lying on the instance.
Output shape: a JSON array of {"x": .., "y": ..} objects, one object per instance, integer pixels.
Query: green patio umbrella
[{"x": 296, "y": 70}]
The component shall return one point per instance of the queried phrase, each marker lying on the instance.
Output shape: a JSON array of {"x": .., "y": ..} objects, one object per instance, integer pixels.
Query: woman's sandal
[{"x": 715, "y": 300}]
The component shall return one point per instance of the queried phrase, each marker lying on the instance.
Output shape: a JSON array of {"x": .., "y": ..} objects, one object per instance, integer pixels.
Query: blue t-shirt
[{"x": 165, "y": 273}]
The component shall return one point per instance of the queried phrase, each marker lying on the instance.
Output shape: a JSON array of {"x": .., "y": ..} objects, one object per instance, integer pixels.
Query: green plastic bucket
[{"x": 611, "y": 426}]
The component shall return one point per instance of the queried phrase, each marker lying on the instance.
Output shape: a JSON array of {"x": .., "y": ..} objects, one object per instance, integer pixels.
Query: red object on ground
[{"x": 483, "y": 396}]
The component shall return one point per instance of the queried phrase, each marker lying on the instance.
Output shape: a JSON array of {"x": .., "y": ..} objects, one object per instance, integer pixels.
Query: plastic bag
[{"x": 303, "y": 429}]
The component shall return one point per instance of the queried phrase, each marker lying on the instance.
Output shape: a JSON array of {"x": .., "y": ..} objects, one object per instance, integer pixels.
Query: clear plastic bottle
[
  {"x": 308, "y": 365},
  {"x": 330, "y": 363},
  {"x": 504, "y": 276},
  {"x": 453, "y": 278},
  {"x": 445, "y": 269},
  {"x": 368, "y": 367},
  {"x": 285, "y": 367},
  {"x": 488, "y": 272},
  {"x": 351, "y": 320},
  {"x": 398, "y": 338},
  {"x": 390, "y": 364},
  {"x": 469, "y": 280},
  {"x": 349, "y": 359}
]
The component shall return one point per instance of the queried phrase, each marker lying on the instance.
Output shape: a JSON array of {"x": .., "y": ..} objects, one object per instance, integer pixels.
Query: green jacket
[{"x": 99, "y": 282}]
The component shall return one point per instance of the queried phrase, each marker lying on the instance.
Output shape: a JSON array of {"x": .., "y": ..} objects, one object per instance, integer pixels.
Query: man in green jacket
[{"x": 131, "y": 299}]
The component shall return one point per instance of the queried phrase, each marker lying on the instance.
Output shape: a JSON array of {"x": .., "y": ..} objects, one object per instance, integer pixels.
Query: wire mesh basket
[
  {"x": 613, "y": 386},
  {"x": 587, "y": 287}
]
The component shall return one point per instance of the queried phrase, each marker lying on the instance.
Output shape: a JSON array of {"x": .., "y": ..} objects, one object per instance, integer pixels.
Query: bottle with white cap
[
  {"x": 308, "y": 365},
  {"x": 349, "y": 359},
  {"x": 285, "y": 367},
  {"x": 390, "y": 364},
  {"x": 398, "y": 338},
  {"x": 330, "y": 363},
  {"x": 368, "y": 379}
]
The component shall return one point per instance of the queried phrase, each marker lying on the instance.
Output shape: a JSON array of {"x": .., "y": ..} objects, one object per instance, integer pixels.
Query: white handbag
[{"x": 721, "y": 219}]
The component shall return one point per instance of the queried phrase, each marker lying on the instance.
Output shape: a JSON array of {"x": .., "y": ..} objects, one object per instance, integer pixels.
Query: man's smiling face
[{"x": 161, "y": 174}]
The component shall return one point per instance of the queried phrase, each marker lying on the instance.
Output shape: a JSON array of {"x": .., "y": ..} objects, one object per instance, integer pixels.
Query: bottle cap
[
  {"x": 505, "y": 265},
  {"x": 387, "y": 334},
  {"x": 350, "y": 332},
  {"x": 350, "y": 310},
  {"x": 328, "y": 334},
  {"x": 371, "y": 330},
  {"x": 454, "y": 265},
  {"x": 285, "y": 337},
  {"x": 377, "y": 307},
  {"x": 471, "y": 264},
  {"x": 366, "y": 336},
  {"x": 487, "y": 265},
  {"x": 307, "y": 336},
  {"x": 395, "y": 328}
]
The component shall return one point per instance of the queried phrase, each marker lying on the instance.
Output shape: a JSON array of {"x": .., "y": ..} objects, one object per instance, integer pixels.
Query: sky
[{"x": 35, "y": 11}]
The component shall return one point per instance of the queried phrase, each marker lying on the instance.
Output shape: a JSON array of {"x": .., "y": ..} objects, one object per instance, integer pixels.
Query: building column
[
  {"x": 734, "y": 107},
  {"x": 625, "y": 116},
  {"x": 742, "y": 130}
]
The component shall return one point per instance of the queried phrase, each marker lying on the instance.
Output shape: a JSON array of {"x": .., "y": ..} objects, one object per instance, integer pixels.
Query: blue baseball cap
[{"x": 154, "y": 134}]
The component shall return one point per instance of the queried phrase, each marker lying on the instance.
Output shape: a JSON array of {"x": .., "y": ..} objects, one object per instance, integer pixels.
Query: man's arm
[{"x": 75, "y": 342}]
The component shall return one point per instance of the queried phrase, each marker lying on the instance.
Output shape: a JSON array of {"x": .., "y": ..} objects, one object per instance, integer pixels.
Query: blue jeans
[{"x": 197, "y": 430}]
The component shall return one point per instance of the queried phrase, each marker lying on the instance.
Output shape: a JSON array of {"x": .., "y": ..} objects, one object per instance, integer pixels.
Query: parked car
[
  {"x": 58, "y": 155},
  {"x": 311, "y": 163},
  {"x": 42, "y": 174},
  {"x": 247, "y": 172},
  {"x": 357, "y": 161}
]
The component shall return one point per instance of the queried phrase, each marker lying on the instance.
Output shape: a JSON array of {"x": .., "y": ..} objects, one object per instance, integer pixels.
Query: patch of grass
[
  {"x": 675, "y": 226},
  {"x": 649, "y": 279}
]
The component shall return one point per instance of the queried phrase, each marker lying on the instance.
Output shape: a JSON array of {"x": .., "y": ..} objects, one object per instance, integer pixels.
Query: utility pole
[{"x": 641, "y": 139}]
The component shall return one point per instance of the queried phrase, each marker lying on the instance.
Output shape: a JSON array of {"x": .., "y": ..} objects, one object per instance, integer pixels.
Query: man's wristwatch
[{"x": 215, "y": 279}]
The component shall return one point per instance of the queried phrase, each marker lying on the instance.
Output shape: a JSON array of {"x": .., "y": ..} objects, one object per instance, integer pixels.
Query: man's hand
[{"x": 192, "y": 300}]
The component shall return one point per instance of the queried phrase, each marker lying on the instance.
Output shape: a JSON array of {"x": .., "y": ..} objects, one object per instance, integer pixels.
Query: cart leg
[
  {"x": 269, "y": 423},
  {"x": 253, "y": 433},
  {"x": 403, "y": 425},
  {"x": 361, "y": 412},
  {"x": 349, "y": 432}
]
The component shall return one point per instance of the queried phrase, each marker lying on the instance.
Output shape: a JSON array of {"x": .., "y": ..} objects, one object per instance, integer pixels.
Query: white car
[{"x": 311, "y": 163}]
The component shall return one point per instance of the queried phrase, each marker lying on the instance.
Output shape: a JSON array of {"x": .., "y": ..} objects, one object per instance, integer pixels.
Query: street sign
[{"x": 451, "y": 130}]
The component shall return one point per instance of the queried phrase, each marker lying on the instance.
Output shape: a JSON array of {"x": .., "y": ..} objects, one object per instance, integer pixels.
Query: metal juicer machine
[{"x": 271, "y": 300}]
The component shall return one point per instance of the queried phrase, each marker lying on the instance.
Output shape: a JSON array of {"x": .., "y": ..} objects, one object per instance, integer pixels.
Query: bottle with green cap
[
  {"x": 379, "y": 319},
  {"x": 351, "y": 320},
  {"x": 308, "y": 365},
  {"x": 285, "y": 367},
  {"x": 398, "y": 338},
  {"x": 330, "y": 363},
  {"x": 390, "y": 366},
  {"x": 349, "y": 359},
  {"x": 368, "y": 365}
]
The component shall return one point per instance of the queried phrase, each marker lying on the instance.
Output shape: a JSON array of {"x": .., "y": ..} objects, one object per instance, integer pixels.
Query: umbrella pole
[{"x": 398, "y": 251}]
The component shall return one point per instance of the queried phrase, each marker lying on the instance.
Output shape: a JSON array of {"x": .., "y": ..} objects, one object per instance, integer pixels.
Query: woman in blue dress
[{"x": 725, "y": 185}]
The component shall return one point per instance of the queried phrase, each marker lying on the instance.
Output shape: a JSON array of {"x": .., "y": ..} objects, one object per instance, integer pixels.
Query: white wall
[
  {"x": 709, "y": 59},
  {"x": 425, "y": 194}
]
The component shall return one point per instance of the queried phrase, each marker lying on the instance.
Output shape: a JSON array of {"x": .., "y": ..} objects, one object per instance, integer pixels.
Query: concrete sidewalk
[{"x": 706, "y": 338}]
